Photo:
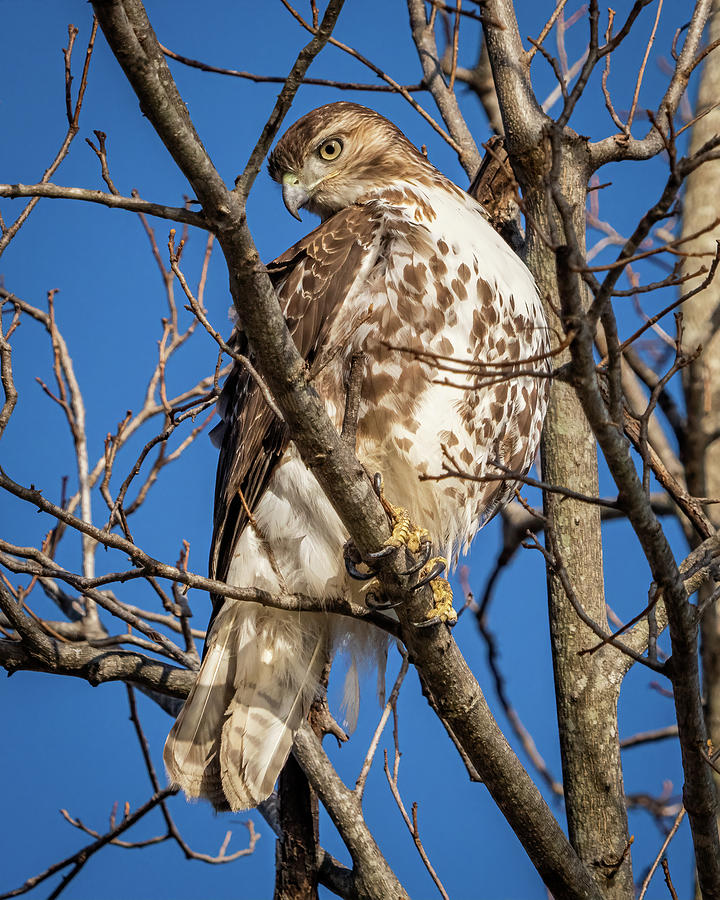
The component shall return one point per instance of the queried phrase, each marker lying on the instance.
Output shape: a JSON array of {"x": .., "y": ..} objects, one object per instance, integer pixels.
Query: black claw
[
  {"x": 355, "y": 573},
  {"x": 436, "y": 620},
  {"x": 377, "y": 483},
  {"x": 382, "y": 554},
  {"x": 435, "y": 572},
  {"x": 426, "y": 549},
  {"x": 352, "y": 558},
  {"x": 372, "y": 602}
]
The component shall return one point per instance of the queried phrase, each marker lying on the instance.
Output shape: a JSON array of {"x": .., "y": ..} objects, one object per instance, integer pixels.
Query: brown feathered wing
[{"x": 260, "y": 671}]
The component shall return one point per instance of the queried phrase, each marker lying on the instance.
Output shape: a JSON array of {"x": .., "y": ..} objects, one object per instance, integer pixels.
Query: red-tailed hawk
[{"x": 403, "y": 259}]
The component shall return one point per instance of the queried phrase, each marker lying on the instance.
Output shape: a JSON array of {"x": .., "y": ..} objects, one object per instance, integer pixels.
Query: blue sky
[{"x": 72, "y": 746}]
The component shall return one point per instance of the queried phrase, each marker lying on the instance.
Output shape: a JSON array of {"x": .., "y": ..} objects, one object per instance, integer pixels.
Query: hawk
[{"x": 406, "y": 270}]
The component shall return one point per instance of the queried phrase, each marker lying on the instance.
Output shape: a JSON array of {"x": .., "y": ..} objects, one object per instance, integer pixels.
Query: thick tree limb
[
  {"x": 701, "y": 379},
  {"x": 97, "y": 666},
  {"x": 372, "y": 876},
  {"x": 523, "y": 118},
  {"x": 699, "y": 790}
]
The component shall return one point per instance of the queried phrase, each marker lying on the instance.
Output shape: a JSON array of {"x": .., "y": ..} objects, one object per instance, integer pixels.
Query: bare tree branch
[
  {"x": 113, "y": 201},
  {"x": 424, "y": 37},
  {"x": 623, "y": 147}
]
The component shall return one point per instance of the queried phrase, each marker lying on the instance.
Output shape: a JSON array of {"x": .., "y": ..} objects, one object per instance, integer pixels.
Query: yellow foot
[
  {"x": 442, "y": 610},
  {"x": 404, "y": 533},
  {"x": 417, "y": 540}
]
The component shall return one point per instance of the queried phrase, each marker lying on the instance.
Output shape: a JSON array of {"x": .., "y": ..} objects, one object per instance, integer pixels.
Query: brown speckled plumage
[{"x": 404, "y": 268}]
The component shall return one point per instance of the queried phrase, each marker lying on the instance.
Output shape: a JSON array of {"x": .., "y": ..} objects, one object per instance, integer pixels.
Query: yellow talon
[
  {"x": 404, "y": 533},
  {"x": 442, "y": 594}
]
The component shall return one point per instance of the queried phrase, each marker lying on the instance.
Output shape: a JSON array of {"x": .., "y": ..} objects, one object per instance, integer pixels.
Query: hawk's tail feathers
[
  {"x": 271, "y": 700},
  {"x": 254, "y": 688},
  {"x": 191, "y": 749}
]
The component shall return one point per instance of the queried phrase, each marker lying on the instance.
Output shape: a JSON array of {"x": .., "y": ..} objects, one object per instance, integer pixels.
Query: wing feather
[{"x": 312, "y": 280}]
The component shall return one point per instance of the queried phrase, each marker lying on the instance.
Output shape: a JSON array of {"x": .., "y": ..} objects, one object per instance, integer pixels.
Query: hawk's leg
[
  {"x": 417, "y": 540},
  {"x": 404, "y": 533}
]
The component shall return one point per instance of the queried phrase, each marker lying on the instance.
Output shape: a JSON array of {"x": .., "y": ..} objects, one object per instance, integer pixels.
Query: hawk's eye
[{"x": 330, "y": 150}]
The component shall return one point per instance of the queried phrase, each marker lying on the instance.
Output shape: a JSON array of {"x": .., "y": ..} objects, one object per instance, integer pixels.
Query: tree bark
[
  {"x": 296, "y": 851},
  {"x": 587, "y": 687},
  {"x": 701, "y": 316},
  {"x": 125, "y": 24}
]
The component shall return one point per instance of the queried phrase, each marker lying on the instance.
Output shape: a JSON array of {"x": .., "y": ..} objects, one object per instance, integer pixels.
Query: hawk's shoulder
[{"x": 313, "y": 279}]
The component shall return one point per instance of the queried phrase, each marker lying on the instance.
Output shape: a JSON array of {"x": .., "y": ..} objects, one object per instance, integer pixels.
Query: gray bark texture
[
  {"x": 587, "y": 687},
  {"x": 435, "y": 653},
  {"x": 701, "y": 316}
]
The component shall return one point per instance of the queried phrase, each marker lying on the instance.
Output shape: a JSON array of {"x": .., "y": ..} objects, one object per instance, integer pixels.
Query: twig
[
  {"x": 668, "y": 880},
  {"x": 380, "y": 73},
  {"x": 196, "y": 309},
  {"x": 606, "y": 74},
  {"x": 641, "y": 71},
  {"x": 112, "y": 201},
  {"x": 172, "y": 830},
  {"x": 78, "y": 860},
  {"x": 321, "y": 35},
  {"x": 281, "y": 79},
  {"x": 412, "y": 826},
  {"x": 127, "y": 845},
  {"x": 147, "y": 565},
  {"x": 452, "y": 471},
  {"x": 101, "y": 153},
  {"x": 73, "y": 116},
  {"x": 536, "y": 44},
  {"x": 663, "y": 312},
  {"x": 481, "y": 618},
  {"x": 455, "y": 42},
  {"x": 656, "y": 861},
  {"x": 649, "y": 737},
  {"x": 389, "y": 706},
  {"x": 554, "y": 560},
  {"x": 6, "y": 373}
]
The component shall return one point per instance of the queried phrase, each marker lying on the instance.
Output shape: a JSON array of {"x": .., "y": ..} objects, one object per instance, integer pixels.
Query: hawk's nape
[{"x": 405, "y": 269}]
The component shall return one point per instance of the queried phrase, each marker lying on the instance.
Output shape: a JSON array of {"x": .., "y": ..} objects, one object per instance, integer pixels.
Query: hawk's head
[{"x": 336, "y": 154}]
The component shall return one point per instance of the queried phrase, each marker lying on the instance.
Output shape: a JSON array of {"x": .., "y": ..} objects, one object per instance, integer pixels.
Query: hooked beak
[{"x": 294, "y": 194}]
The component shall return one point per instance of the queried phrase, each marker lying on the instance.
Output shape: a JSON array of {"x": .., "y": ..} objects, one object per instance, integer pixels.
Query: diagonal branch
[
  {"x": 287, "y": 95},
  {"x": 621, "y": 146},
  {"x": 523, "y": 117},
  {"x": 280, "y": 79},
  {"x": 699, "y": 790},
  {"x": 373, "y": 877},
  {"x": 78, "y": 860},
  {"x": 424, "y": 37}
]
